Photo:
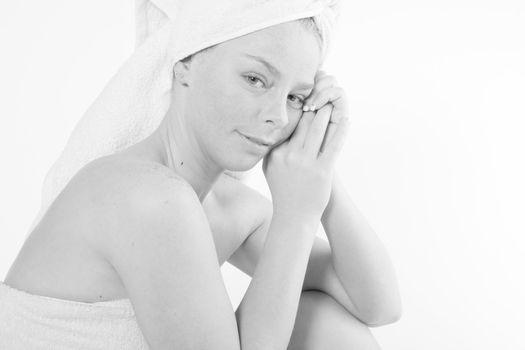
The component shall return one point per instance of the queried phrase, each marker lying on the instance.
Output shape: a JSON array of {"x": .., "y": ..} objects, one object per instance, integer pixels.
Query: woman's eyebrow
[
  {"x": 276, "y": 71},
  {"x": 268, "y": 65}
]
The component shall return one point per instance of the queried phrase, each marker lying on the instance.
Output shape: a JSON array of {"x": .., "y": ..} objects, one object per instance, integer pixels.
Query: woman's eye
[
  {"x": 297, "y": 102},
  {"x": 253, "y": 79}
]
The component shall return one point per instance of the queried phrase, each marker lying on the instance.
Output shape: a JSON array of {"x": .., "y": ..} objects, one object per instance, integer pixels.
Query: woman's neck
[{"x": 174, "y": 148}]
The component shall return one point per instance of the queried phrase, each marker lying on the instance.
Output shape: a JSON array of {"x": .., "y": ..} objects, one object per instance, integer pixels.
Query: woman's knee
[{"x": 323, "y": 323}]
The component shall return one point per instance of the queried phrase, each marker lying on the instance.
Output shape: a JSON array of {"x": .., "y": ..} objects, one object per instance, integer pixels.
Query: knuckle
[
  {"x": 332, "y": 80},
  {"x": 340, "y": 91},
  {"x": 320, "y": 73},
  {"x": 322, "y": 96},
  {"x": 325, "y": 110}
]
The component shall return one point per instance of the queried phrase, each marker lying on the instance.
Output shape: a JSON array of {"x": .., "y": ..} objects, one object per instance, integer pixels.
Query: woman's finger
[
  {"x": 298, "y": 136},
  {"x": 339, "y": 112},
  {"x": 334, "y": 95},
  {"x": 335, "y": 144},
  {"x": 330, "y": 131},
  {"x": 322, "y": 81},
  {"x": 317, "y": 130}
]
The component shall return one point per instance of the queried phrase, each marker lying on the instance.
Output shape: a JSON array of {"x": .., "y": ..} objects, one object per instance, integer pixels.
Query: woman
[{"x": 135, "y": 241}]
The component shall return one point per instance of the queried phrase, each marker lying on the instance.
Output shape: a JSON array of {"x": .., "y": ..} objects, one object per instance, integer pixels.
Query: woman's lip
[{"x": 253, "y": 140}]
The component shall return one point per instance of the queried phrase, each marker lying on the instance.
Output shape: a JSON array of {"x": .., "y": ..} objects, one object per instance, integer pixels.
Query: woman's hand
[
  {"x": 299, "y": 171},
  {"x": 327, "y": 90}
]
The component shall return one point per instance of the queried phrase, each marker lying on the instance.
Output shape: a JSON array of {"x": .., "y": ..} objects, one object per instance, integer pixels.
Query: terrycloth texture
[
  {"x": 137, "y": 97},
  {"x": 30, "y": 321}
]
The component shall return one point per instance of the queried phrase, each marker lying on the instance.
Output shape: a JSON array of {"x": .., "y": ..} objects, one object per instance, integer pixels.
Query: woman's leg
[{"x": 322, "y": 323}]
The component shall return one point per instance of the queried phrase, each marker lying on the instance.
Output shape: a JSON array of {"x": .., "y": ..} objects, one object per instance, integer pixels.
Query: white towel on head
[{"x": 135, "y": 100}]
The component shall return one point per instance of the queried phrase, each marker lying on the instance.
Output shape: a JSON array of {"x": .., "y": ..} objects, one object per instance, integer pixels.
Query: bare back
[{"x": 62, "y": 257}]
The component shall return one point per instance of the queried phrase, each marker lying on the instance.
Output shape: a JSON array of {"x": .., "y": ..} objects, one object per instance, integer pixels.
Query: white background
[{"x": 434, "y": 158}]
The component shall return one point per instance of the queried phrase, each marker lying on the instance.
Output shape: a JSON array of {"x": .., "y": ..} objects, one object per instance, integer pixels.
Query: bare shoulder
[
  {"x": 116, "y": 187},
  {"x": 113, "y": 170},
  {"x": 114, "y": 176}
]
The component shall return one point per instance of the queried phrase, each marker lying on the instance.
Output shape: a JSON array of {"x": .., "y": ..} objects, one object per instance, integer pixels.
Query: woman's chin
[
  {"x": 244, "y": 166},
  {"x": 241, "y": 156},
  {"x": 243, "y": 163}
]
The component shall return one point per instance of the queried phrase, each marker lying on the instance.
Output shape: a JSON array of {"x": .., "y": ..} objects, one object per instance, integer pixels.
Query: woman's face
[{"x": 231, "y": 92}]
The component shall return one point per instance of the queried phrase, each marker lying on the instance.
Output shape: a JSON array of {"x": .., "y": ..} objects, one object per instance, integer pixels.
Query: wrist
[
  {"x": 300, "y": 220},
  {"x": 337, "y": 190}
]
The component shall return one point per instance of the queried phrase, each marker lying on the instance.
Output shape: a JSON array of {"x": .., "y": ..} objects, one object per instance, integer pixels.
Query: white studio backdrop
[{"x": 434, "y": 158}]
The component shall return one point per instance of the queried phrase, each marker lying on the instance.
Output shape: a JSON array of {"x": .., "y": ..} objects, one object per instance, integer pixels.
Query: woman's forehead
[{"x": 282, "y": 44}]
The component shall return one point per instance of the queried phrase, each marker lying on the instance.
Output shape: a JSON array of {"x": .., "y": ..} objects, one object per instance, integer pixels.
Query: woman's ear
[{"x": 181, "y": 71}]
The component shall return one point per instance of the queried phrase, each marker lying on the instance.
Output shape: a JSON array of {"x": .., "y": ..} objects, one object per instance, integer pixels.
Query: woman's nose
[{"x": 276, "y": 113}]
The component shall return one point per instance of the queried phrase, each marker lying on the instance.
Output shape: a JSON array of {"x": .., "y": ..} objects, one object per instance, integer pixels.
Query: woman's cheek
[
  {"x": 287, "y": 132},
  {"x": 294, "y": 117},
  {"x": 227, "y": 106}
]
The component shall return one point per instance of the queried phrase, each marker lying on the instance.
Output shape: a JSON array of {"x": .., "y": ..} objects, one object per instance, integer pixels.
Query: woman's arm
[
  {"x": 158, "y": 240},
  {"x": 360, "y": 259},
  {"x": 266, "y": 314},
  {"x": 163, "y": 250},
  {"x": 320, "y": 273}
]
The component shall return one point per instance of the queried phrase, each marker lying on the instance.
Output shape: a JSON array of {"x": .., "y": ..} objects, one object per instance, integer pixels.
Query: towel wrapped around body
[{"x": 30, "y": 321}]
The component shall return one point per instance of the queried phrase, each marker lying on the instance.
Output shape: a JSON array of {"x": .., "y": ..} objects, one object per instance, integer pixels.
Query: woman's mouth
[{"x": 253, "y": 143}]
